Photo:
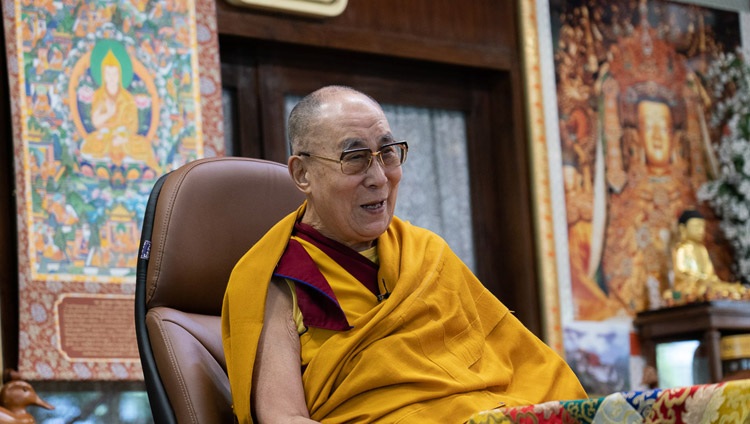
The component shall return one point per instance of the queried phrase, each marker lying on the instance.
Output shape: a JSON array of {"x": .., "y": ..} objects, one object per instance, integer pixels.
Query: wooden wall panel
[{"x": 477, "y": 33}]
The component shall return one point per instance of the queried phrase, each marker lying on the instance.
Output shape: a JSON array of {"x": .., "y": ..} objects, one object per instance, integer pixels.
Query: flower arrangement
[{"x": 728, "y": 81}]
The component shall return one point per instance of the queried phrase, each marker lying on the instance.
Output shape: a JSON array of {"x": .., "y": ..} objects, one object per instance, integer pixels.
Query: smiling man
[{"x": 367, "y": 318}]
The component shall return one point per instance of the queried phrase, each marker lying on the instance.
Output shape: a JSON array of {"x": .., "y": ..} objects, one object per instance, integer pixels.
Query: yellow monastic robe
[{"x": 441, "y": 348}]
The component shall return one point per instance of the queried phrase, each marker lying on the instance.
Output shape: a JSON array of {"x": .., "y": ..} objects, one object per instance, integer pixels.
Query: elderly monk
[{"x": 368, "y": 318}]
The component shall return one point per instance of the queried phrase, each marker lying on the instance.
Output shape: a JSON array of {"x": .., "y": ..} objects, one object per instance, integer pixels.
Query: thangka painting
[
  {"x": 619, "y": 91},
  {"x": 635, "y": 141},
  {"x": 107, "y": 96}
]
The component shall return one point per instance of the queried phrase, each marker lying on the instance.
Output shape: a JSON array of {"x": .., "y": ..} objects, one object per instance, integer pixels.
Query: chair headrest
[{"x": 208, "y": 214}]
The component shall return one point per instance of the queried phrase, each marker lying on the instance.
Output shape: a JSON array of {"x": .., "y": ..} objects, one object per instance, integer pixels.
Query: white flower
[
  {"x": 744, "y": 188},
  {"x": 730, "y": 232},
  {"x": 742, "y": 213},
  {"x": 729, "y": 195},
  {"x": 744, "y": 266}
]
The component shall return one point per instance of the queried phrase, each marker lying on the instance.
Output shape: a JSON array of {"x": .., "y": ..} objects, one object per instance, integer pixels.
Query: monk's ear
[{"x": 299, "y": 173}]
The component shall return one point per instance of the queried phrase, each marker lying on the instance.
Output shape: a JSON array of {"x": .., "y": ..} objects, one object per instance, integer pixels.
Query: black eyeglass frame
[{"x": 401, "y": 144}]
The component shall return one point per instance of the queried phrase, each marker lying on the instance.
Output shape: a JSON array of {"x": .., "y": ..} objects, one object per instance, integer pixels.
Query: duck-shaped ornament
[{"x": 15, "y": 396}]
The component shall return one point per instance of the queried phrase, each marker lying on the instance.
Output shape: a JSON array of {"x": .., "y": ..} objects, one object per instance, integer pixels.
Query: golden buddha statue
[{"x": 694, "y": 275}]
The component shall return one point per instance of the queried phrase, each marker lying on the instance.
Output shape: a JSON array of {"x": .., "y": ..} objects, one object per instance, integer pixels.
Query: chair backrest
[{"x": 200, "y": 219}]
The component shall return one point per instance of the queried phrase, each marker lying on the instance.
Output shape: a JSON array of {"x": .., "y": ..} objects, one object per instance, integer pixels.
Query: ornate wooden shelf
[{"x": 706, "y": 322}]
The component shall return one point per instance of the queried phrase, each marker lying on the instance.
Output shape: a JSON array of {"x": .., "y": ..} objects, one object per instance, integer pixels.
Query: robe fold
[{"x": 441, "y": 348}]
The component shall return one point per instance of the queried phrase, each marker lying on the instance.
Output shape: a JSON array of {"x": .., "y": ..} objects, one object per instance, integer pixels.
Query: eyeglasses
[{"x": 357, "y": 161}]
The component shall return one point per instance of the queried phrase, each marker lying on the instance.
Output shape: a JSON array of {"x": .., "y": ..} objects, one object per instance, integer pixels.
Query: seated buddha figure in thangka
[{"x": 114, "y": 128}]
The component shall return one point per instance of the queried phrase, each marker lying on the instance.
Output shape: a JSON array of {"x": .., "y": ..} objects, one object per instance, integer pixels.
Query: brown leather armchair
[{"x": 200, "y": 219}]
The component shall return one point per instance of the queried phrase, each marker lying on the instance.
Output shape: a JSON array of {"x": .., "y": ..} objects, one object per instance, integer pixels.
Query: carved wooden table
[{"x": 706, "y": 322}]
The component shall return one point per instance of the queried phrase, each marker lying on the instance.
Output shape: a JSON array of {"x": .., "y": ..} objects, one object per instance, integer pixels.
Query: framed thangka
[
  {"x": 625, "y": 146},
  {"x": 106, "y": 98}
]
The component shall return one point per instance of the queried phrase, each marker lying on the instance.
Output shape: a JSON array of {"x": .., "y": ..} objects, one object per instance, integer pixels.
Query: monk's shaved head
[{"x": 305, "y": 116}]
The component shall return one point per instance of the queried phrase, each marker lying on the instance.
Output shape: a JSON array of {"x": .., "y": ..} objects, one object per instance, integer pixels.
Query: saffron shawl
[{"x": 441, "y": 348}]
